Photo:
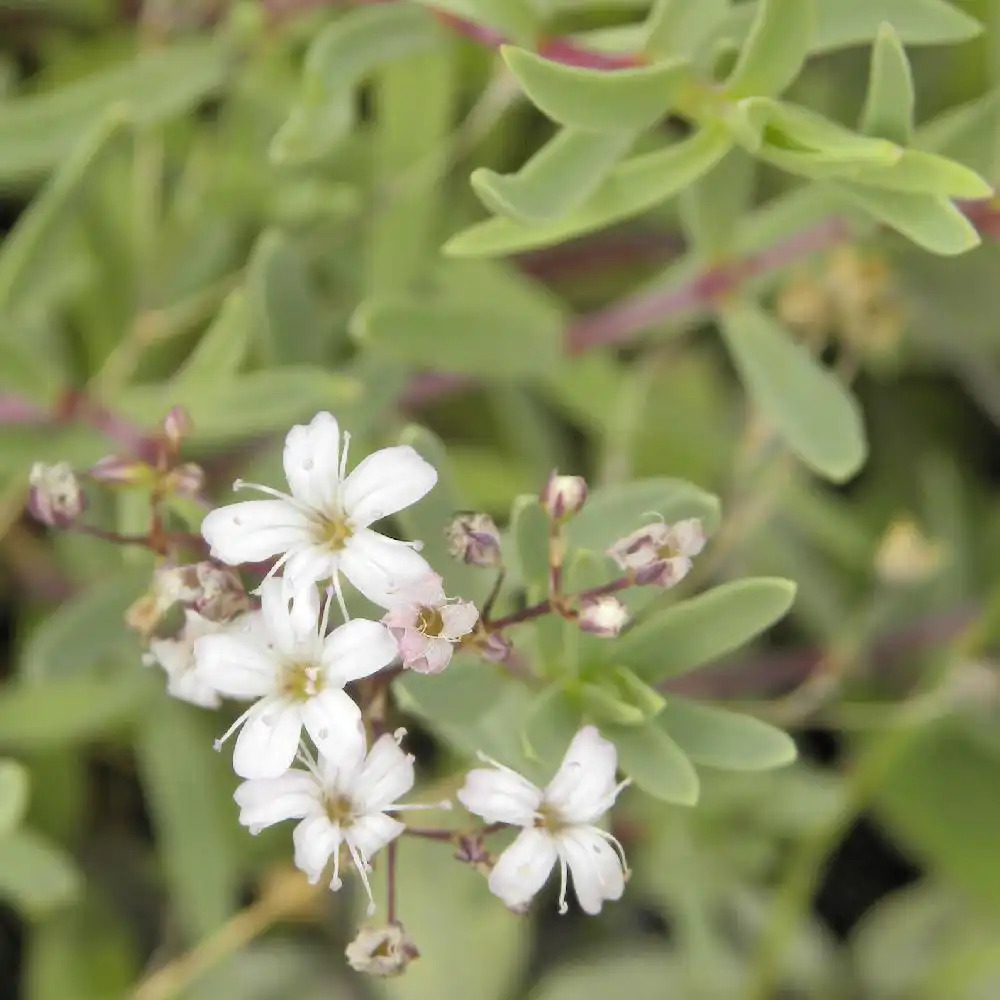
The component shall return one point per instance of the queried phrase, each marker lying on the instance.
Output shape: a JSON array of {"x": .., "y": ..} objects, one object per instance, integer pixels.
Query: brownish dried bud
[
  {"x": 215, "y": 592},
  {"x": 474, "y": 539},
  {"x": 381, "y": 951},
  {"x": 54, "y": 494},
  {"x": 563, "y": 496}
]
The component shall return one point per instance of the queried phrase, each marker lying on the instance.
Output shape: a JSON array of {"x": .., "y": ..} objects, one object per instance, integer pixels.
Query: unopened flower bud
[
  {"x": 177, "y": 425},
  {"x": 185, "y": 480},
  {"x": 496, "y": 647},
  {"x": 563, "y": 496},
  {"x": 381, "y": 951},
  {"x": 603, "y": 616},
  {"x": 114, "y": 470},
  {"x": 906, "y": 556},
  {"x": 475, "y": 539},
  {"x": 54, "y": 495}
]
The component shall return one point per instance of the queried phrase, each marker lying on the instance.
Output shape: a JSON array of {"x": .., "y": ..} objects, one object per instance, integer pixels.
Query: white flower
[
  {"x": 322, "y": 528},
  {"x": 298, "y": 674},
  {"x": 426, "y": 624},
  {"x": 340, "y": 800},
  {"x": 176, "y": 656},
  {"x": 660, "y": 555},
  {"x": 603, "y": 616},
  {"x": 558, "y": 825}
]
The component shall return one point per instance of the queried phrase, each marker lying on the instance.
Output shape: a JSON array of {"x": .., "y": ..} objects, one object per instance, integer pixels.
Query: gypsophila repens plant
[{"x": 370, "y": 375}]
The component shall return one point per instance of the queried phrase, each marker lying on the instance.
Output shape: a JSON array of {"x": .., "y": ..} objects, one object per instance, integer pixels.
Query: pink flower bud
[
  {"x": 185, "y": 480},
  {"x": 496, "y": 647},
  {"x": 177, "y": 425},
  {"x": 475, "y": 539},
  {"x": 603, "y": 616},
  {"x": 563, "y": 496},
  {"x": 54, "y": 495},
  {"x": 113, "y": 470}
]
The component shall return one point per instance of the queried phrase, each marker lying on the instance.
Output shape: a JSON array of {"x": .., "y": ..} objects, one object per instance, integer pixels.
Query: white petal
[
  {"x": 346, "y": 759},
  {"x": 372, "y": 832},
  {"x": 595, "y": 867},
  {"x": 356, "y": 649},
  {"x": 434, "y": 657},
  {"x": 331, "y": 719},
  {"x": 265, "y": 801},
  {"x": 584, "y": 786},
  {"x": 386, "y": 481},
  {"x": 523, "y": 868},
  {"x": 459, "y": 618},
  {"x": 236, "y": 665},
  {"x": 267, "y": 742},
  {"x": 189, "y": 686},
  {"x": 291, "y": 621},
  {"x": 381, "y": 568},
  {"x": 311, "y": 564},
  {"x": 500, "y": 796},
  {"x": 254, "y": 530},
  {"x": 315, "y": 840},
  {"x": 312, "y": 461},
  {"x": 386, "y": 775}
]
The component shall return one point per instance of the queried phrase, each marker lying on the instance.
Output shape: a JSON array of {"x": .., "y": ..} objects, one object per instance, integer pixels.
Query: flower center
[
  {"x": 333, "y": 532},
  {"x": 667, "y": 552},
  {"x": 548, "y": 819},
  {"x": 302, "y": 681},
  {"x": 340, "y": 810},
  {"x": 430, "y": 622}
]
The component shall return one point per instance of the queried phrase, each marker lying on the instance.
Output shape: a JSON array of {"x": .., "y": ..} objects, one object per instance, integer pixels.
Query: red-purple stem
[{"x": 545, "y": 607}]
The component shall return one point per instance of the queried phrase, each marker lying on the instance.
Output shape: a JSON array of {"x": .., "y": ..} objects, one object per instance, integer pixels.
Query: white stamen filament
[
  {"x": 563, "y": 905},
  {"x": 252, "y": 712},
  {"x": 361, "y": 866}
]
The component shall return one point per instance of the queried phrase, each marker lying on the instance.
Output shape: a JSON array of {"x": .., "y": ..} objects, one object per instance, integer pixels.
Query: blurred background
[{"x": 161, "y": 249}]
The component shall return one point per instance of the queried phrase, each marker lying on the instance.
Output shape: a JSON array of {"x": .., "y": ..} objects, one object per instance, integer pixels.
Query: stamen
[
  {"x": 241, "y": 484},
  {"x": 563, "y": 905},
  {"x": 361, "y": 866},
  {"x": 324, "y": 622},
  {"x": 304, "y": 756},
  {"x": 254, "y": 710},
  {"x": 399, "y": 734},
  {"x": 340, "y": 597},
  {"x": 342, "y": 472},
  {"x": 413, "y": 806},
  {"x": 336, "y": 882},
  {"x": 274, "y": 569},
  {"x": 619, "y": 850},
  {"x": 500, "y": 767}
]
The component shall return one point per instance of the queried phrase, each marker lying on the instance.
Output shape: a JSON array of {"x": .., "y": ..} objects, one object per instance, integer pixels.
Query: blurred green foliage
[{"x": 784, "y": 295}]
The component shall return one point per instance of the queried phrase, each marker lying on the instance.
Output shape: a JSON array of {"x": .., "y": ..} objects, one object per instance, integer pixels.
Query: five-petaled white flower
[
  {"x": 340, "y": 800},
  {"x": 321, "y": 528},
  {"x": 427, "y": 625},
  {"x": 298, "y": 674},
  {"x": 557, "y": 825}
]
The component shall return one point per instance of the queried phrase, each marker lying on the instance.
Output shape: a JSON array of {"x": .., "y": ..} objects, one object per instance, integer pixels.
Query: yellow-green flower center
[
  {"x": 302, "y": 681},
  {"x": 340, "y": 810},
  {"x": 548, "y": 819},
  {"x": 430, "y": 622},
  {"x": 334, "y": 533}
]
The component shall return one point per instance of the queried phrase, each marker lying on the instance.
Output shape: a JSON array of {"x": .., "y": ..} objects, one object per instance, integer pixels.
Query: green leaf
[
  {"x": 489, "y": 322},
  {"x": 930, "y": 221},
  {"x": 888, "y": 110},
  {"x": 36, "y": 876},
  {"x": 603, "y": 705},
  {"x": 627, "y": 100},
  {"x": 712, "y": 208},
  {"x": 40, "y": 225},
  {"x": 940, "y": 799},
  {"x": 38, "y": 715},
  {"x": 704, "y": 628},
  {"x": 655, "y": 762},
  {"x": 13, "y": 795},
  {"x": 88, "y": 631},
  {"x": 925, "y": 173},
  {"x": 558, "y": 178},
  {"x": 726, "y": 740},
  {"x": 650, "y": 974},
  {"x": 634, "y": 186},
  {"x": 529, "y": 529},
  {"x": 290, "y": 320},
  {"x": 808, "y": 405},
  {"x": 965, "y": 133},
  {"x": 187, "y": 786},
  {"x": 680, "y": 27},
  {"x": 775, "y": 50},
  {"x": 611, "y": 512},
  {"x": 222, "y": 348},
  {"x": 516, "y": 19},
  {"x": 339, "y": 58},
  {"x": 244, "y": 405},
  {"x": 38, "y": 132},
  {"x": 552, "y": 720}
]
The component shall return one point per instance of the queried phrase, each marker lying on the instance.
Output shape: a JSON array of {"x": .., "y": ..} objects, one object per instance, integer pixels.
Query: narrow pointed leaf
[
  {"x": 729, "y": 741},
  {"x": 634, "y": 186},
  {"x": 223, "y": 346},
  {"x": 36, "y": 876},
  {"x": 775, "y": 50},
  {"x": 13, "y": 795},
  {"x": 925, "y": 173},
  {"x": 339, "y": 58},
  {"x": 562, "y": 175},
  {"x": 704, "y": 628},
  {"x": 655, "y": 762},
  {"x": 808, "y": 405},
  {"x": 598, "y": 100},
  {"x": 679, "y": 27},
  {"x": 888, "y": 110},
  {"x": 930, "y": 221}
]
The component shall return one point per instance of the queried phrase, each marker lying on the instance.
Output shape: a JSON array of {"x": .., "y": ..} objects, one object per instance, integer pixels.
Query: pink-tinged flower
[
  {"x": 321, "y": 528},
  {"x": 427, "y": 624},
  {"x": 659, "y": 554},
  {"x": 557, "y": 825},
  {"x": 603, "y": 616}
]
